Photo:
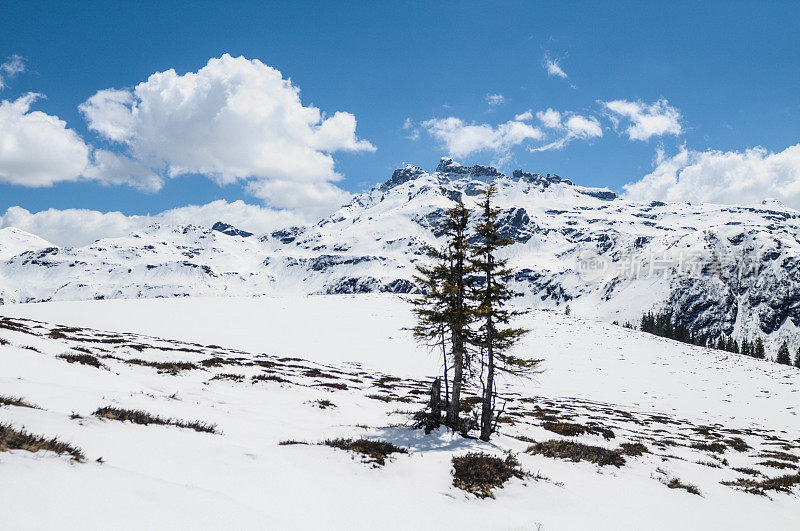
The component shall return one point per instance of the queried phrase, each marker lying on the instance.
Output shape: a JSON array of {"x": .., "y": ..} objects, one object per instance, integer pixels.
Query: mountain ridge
[{"x": 721, "y": 270}]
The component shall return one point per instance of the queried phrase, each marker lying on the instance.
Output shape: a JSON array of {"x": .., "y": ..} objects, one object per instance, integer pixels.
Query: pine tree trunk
[
  {"x": 487, "y": 410},
  {"x": 435, "y": 406},
  {"x": 458, "y": 364}
]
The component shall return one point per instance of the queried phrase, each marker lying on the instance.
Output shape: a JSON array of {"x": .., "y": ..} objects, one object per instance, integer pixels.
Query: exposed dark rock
[{"x": 230, "y": 230}]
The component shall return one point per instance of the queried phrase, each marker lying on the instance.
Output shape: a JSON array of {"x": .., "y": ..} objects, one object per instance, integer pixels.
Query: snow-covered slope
[
  {"x": 257, "y": 369},
  {"x": 723, "y": 270},
  {"x": 14, "y": 241}
]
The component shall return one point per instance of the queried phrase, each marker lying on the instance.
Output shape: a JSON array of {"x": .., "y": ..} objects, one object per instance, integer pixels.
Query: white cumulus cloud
[
  {"x": 524, "y": 116},
  {"x": 645, "y": 120},
  {"x": 232, "y": 119},
  {"x": 728, "y": 177},
  {"x": 37, "y": 149},
  {"x": 462, "y": 139}
]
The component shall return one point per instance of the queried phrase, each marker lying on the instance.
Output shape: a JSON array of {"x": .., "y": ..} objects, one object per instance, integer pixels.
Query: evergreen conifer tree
[
  {"x": 491, "y": 296},
  {"x": 784, "y": 358},
  {"x": 797, "y": 358},
  {"x": 758, "y": 350},
  {"x": 443, "y": 312}
]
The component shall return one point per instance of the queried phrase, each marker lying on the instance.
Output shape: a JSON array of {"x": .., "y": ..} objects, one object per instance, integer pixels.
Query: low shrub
[
  {"x": 783, "y": 456},
  {"x": 144, "y": 418},
  {"x": 675, "y": 483},
  {"x": 577, "y": 452},
  {"x": 777, "y": 464},
  {"x": 371, "y": 451},
  {"x": 171, "y": 367},
  {"x": 569, "y": 429},
  {"x": 15, "y": 401},
  {"x": 479, "y": 473},
  {"x": 738, "y": 444},
  {"x": 14, "y": 439},
  {"x": 83, "y": 359},
  {"x": 715, "y": 447},
  {"x": 780, "y": 483},
  {"x": 268, "y": 378},
  {"x": 633, "y": 449}
]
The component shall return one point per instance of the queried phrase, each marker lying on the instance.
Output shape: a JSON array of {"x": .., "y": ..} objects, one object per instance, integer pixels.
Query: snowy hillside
[
  {"x": 691, "y": 435},
  {"x": 722, "y": 270}
]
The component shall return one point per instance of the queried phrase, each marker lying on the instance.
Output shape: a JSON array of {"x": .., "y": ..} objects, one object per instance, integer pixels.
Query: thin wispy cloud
[
  {"x": 553, "y": 67},
  {"x": 412, "y": 132},
  {"x": 495, "y": 99},
  {"x": 569, "y": 126},
  {"x": 9, "y": 68}
]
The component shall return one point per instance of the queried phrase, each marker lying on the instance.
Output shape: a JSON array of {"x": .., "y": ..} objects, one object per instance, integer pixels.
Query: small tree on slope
[
  {"x": 758, "y": 350},
  {"x": 797, "y": 358},
  {"x": 430, "y": 308},
  {"x": 491, "y": 296},
  {"x": 443, "y": 312},
  {"x": 784, "y": 358}
]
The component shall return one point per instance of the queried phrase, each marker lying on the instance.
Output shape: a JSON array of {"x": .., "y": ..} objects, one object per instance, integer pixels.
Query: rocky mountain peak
[{"x": 454, "y": 170}]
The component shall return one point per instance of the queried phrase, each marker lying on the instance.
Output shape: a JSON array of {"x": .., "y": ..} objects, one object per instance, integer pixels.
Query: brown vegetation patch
[
  {"x": 479, "y": 473},
  {"x": 577, "y": 452},
  {"x": 14, "y": 439},
  {"x": 268, "y": 378},
  {"x": 633, "y": 449},
  {"x": 371, "y": 451},
  {"x": 715, "y": 447},
  {"x": 738, "y": 444},
  {"x": 229, "y": 376},
  {"x": 83, "y": 359},
  {"x": 753, "y": 486},
  {"x": 171, "y": 367},
  {"x": 675, "y": 483},
  {"x": 333, "y": 385},
  {"x": 569, "y": 429},
  {"x": 771, "y": 454},
  {"x": 15, "y": 401},
  {"x": 142, "y": 417},
  {"x": 778, "y": 464}
]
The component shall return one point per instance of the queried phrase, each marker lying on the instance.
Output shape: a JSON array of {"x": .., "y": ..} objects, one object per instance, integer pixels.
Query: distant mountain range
[{"x": 729, "y": 270}]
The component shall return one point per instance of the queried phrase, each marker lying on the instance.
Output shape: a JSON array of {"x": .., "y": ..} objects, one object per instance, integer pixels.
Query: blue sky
[{"x": 727, "y": 70}]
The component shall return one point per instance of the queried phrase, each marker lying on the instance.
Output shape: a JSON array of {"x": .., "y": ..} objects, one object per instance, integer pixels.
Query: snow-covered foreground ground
[{"x": 676, "y": 399}]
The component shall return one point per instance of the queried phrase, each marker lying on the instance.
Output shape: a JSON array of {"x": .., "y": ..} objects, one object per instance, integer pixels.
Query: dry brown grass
[
  {"x": 14, "y": 439},
  {"x": 479, "y": 473},
  {"x": 268, "y": 378},
  {"x": 570, "y": 429},
  {"x": 675, "y": 483},
  {"x": 170, "y": 367},
  {"x": 780, "y": 484},
  {"x": 633, "y": 449},
  {"x": 371, "y": 451},
  {"x": 144, "y": 418},
  {"x": 17, "y": 401},
  {"x": 577, "y": 452},
  {"x": 83, "y": 359}
]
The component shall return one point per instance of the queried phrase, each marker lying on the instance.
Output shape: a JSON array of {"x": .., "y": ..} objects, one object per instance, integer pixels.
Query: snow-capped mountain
[{"x": 721, "y": 269}]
